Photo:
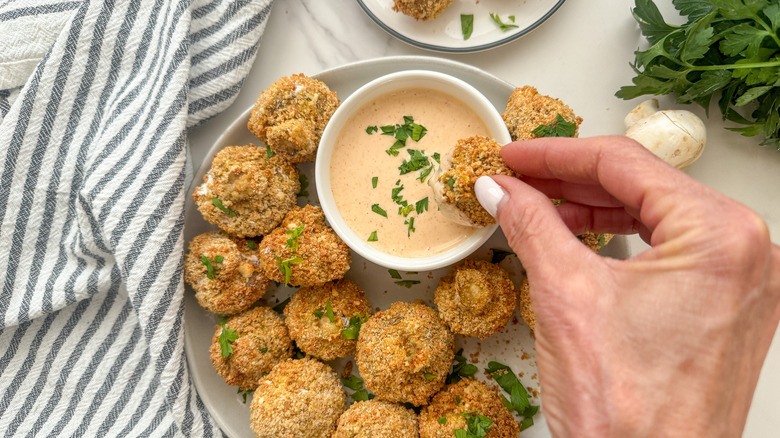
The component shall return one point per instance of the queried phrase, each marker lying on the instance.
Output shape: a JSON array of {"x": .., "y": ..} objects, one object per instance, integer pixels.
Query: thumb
[{"x": 531, "y": 224}]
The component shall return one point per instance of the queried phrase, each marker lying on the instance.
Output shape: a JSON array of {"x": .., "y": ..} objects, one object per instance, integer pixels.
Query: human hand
[{"x": 667, "y": 343}]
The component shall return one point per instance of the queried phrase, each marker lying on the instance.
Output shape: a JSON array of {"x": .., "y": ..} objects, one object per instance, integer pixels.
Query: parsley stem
[{"x": 735, "y": 66}]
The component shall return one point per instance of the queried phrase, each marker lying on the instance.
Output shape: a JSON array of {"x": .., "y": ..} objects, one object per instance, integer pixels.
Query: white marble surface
[{"x": 581, "y": 54}]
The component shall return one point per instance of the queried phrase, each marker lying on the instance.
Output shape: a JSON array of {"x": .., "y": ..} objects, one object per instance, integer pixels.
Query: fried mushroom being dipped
[
  {"x": 464, "y": 401},
  {"x": 259, "y": 341},
  {"x": 421, "y": 9},
  {"x": 325, "y": 320},
  {"x": 404, "y": 353},
  {"x": 225, "y": 272},
  {"x": 377, "y": 418},
  {"x": 477, "y": 298},
  {"x": 527, "y": 109},
  {"x": 298, "y": 399},
  {"x": 290, "y": 116},
  {"x": 304, "y": 251},
  {"x": 453, "y": 185},
  {"x": 247, "y": 193}
]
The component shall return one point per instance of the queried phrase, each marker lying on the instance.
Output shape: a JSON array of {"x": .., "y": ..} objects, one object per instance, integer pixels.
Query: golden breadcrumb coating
[
  {"x": 291, "y": 114},
  {"x": 477, "y": 298},
  {"x": 594, "y": 241},
  {"x": 466, "y": 397},
  {"x": 377, "y": 418},
  {"x": 526, "y": 109},
  {"x": 255, "y": 190},
  {"x": 316, "y": 256},
  {"x": 421, "y": 9},
  {"x": 318, "y": 335},
  {"x": 262, "y": 343},
  {"x": 471, "y": 158},
  {"x": 298, "y": 399},
  {"x": 237, "y": 278},
  {"x": 404, "y": 353}
]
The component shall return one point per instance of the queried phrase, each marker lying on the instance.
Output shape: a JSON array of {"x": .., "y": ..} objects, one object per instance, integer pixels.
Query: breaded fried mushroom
[
  {"x": 262, "y": 342},
  {"x": 477, "y": 298},
  {"x": 404, "y": 353},
  {"x": 593, "y": 241},
  {"x": 421, "y": 9},
  {"x": 453, "y": 185},
  {"x": 298, "y": 399},
  {"x": 450, "y": 408},
  {"x": 225, "y": 273},
  {"x": 320, "y": 317},
  {"x": 526, "y": 110},
  {"x": 304, "y": 251},
  {"x": 377, "y": 418},
  {"x": 245, "y": 192},
  {"x": 290, "y": 115}
]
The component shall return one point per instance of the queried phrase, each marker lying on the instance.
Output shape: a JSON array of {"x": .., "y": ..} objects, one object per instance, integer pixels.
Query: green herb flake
[
  {"x": 374, "y": 181},
  {"x": 329, "y": 312},
  {"x": 353, "y": 328},
  {"x": 561, "y": 128},
  {"x": 226, "y": 338},
  {"x": 354, "y": 382},
  {"x": 244, "y": 393},
  {"x": 371, "y": 129},
  {"x": 405, "y": 210},
  {"x": 429, "y": 376},
  {"x": 602, "y": 240},
  {"x": 378, "y": 210},
  {"x": 417, "y": 160},
  {"x": 209, "y": 267},
  {"x": 477, "y": 426},
  {"x": 451, "y": 182},
  {"x": 304, "y": 185},
  {"x": 418, "y": 132},
  {"x": 285, "y": 267},
  {"x": 217, "y": 203},
  {"x": 264, "y": 350},
  {"x": 318, "y": 313},
  {"x": 268, "y": 151},
  {"x": 519, "y": 400},
  {"x": 410, "y": 226},
  {"x": 461, "y": 369},
  {"x": 512, "y": 18},
  {"x": 436, "y": 156},
  {"x": 388, "y": 129},
  {"x": 421, "y": 205},
  {"x": 373, "y": 237},
  {"x": 503, "y": 26},
  {"x": 424, "y": 173},
  {"x": 292, "y": 241},
  {"x": 407, "y": 283},
  {"x": 362, "y": 395},
  {"x": 394, "y": 274},
  {"x": 466, "y": 25},
  {"x": 219, "y": 259},
  {"x": 442, "y": 420},
  {"x": 251, "y": 244}
]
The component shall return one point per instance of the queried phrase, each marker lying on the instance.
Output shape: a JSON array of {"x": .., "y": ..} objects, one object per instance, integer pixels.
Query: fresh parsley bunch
[{"x": 727, "y": 48}]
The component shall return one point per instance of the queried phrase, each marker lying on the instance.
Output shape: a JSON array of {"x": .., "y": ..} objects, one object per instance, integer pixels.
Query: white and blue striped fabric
[{"x": 93, "y": 175}]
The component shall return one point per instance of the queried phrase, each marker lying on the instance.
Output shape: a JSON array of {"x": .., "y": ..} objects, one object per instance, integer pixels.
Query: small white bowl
[{"x": 368, "y": 92}]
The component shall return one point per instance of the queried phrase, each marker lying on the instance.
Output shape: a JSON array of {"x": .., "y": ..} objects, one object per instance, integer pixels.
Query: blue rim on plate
[{"x": 467, "y": 49}]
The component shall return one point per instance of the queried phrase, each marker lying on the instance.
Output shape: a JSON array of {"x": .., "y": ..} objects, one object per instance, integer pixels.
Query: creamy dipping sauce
[{"x": 359, "y": 157}]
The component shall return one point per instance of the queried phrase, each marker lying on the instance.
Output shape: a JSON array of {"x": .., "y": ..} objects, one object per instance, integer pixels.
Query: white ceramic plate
[
  {"x": 444, "y": 33},
  {"x": 514, "y": 346}
]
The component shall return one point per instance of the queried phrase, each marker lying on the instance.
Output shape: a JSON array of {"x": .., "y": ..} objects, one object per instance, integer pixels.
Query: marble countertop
[{"x": 580, "y": 54}]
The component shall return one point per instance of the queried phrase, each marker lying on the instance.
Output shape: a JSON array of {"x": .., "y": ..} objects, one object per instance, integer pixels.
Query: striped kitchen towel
[{"x": 96, "y": 98}]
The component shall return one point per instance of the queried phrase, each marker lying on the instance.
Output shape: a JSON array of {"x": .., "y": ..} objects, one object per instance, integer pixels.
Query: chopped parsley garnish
[
  {"x": 424, "y": 173},
  {"x": 477, "y": 426},
  {"x": 466, "y": 25},
  {"x": 418, "y": 132},
  {"x": 226, "y": 338},
  {"x": 504, "y": 27},
  {"x": 602, "y": 240},
  {"x": 304, "y": 185},
  {"x": 217, "y": 203},
  {"x": 329, "y": 312},
  {"x": 362, "y": 395},
  {"x": 395, "y": 196},
  {"x": 285, "y": 268},
  {"x": 421, "y": 205},
  {"x": 378, "y": 210},
  {"x": 519, "y": 400},
  {"x": 451, "y": 182},
  {"x": 264, "y": 350},
  {"x": 279, "y": 308},
  {"x": 461, "y": 369},
  {"x": 442, "y": 420},
  {"x": 251, "y": 244},
  {"x": 394, "y": 148},
  {"x": 374, "y": 180},
  {"x": 436, "y": 157},
  {"x": 561, "y": 128},
  {"x": 417, "y": 161},
  {"x": 402, "y": 132},
  {"x": 292, "y": 241},
  {"x": 394, "y": 274},
  {"x": 244, "y": 393},
  {"x": 405, "y": 210},
  {"x": 498, "y": 255},
  {"x": 410, "y": 229},
  {"x": 353, "y": 329},
  {"x": 268, "y": 151},
  {"x": 429, "y": 376},
  {"x": 371, "y": 129},
  {"x": 407, "y": 283},
  {"x": 209, "y": 267},
  {"x": 354, "y": 382},
  {"x": 219, "y": 259},
  {"x": 373, "y": 237}
]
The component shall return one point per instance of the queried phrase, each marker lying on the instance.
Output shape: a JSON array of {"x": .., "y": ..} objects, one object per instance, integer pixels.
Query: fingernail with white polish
[{"x": 490, "y": 194}]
